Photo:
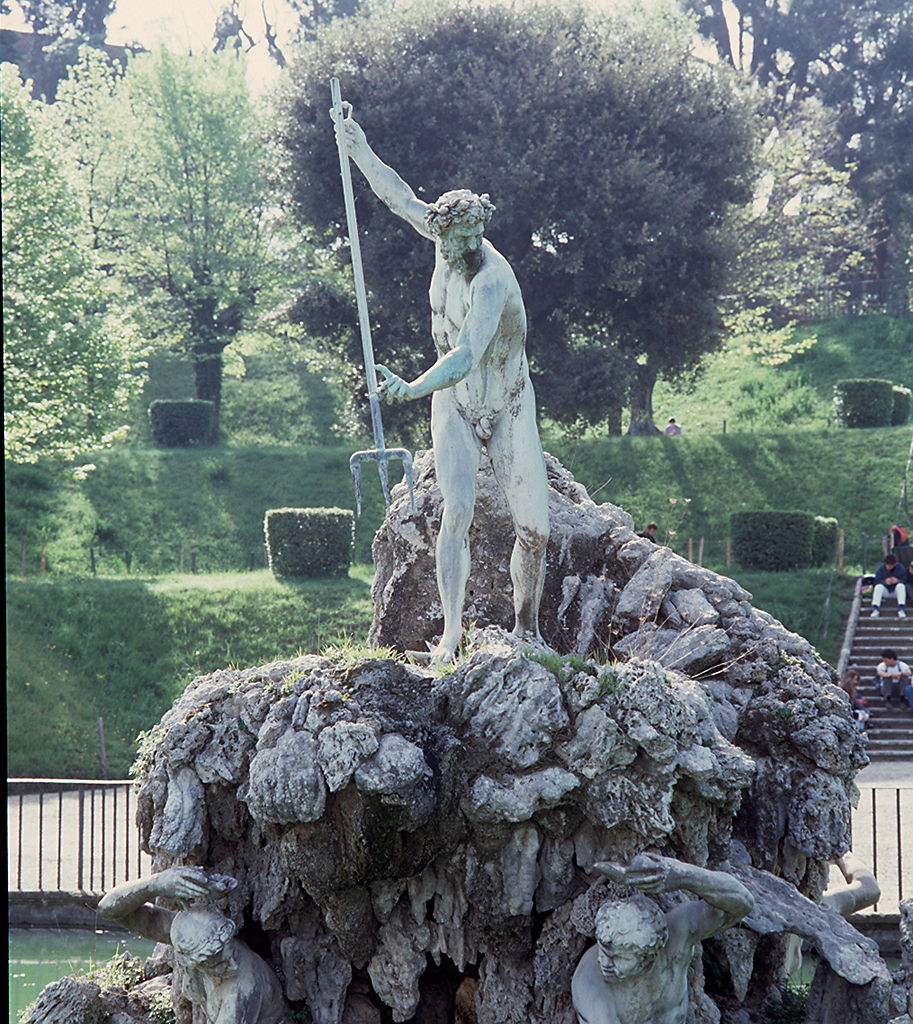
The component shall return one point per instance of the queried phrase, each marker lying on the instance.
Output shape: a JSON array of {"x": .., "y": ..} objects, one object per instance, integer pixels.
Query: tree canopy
[
  {"x": 70, "y": 359},
  {"x": 612, "y": 154},
  {"x": 175, "y": 171},
  {"x": 855, "y": 56}
]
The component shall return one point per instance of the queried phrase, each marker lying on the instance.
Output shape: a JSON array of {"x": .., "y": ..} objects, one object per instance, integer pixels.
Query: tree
[
  {"x": 70, "y": 359},
  {"x": 92, "y": 115},
  {"x": 804, "y": 237},
  {"x": 191, "y": 230},
  {"x": 611, "y": 154},
  {"x": 84, "y": 20},
  {"x": 856, "y": 56}
]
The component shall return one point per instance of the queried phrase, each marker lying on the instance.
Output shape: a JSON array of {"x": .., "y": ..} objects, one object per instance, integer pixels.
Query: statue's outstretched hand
[
  {"x": 392, "y": 388},
  {"x": 648, "y": 872},
  {"x": 191, "y": 883}
]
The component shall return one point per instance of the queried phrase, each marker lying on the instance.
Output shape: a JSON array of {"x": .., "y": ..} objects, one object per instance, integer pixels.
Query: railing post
[
  {"x": 102, "y": 836},
  {"x": 81, "y": 840},
  {"x": 92, "y": 839},
  {"x": 113, "y": 837},
  {"x": 19, "y": 851},
  {"x": 899, "y": 848},
  {"x": 874, "y": 838},
  {"x": 40, "y": 842},
  {"x": 59, "y": 836},
  {"x": 127, "y": 834}
]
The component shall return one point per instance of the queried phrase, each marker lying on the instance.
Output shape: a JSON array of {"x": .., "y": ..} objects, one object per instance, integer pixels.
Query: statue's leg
[
  {"x": 516, "y": 458},
  {"x": 456, "y": 461}
]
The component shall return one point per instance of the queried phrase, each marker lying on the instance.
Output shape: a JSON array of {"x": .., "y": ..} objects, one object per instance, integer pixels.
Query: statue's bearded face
[{"x": 461, "y": 245}]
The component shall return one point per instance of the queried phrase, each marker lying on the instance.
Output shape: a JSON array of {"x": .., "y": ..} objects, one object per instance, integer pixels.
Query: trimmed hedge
[
  {"x": 864, "y": 403},
  {"x": 772, "y": 540},
  {"x": 903, "y": 403},
  {"x": 181, "y": 424},
  {"x": 824, "y": 540},
  {"x": 309, "y": 541}
]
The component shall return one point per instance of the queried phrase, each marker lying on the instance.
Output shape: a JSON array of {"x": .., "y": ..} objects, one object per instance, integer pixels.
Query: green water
[{"x": 38, "y": 956}]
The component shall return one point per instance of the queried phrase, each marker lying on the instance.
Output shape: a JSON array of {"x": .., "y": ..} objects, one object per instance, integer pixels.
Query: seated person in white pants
[
  {"x": 892, "y": 676},
  {"x": 891, "y": 578}
]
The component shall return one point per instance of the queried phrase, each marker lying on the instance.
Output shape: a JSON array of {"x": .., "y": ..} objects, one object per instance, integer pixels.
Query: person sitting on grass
[
  {"x": 892, "y": 675},
  {"x": 890, "y": 578}
]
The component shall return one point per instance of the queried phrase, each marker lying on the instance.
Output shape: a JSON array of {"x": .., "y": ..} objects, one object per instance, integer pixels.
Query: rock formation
[{"x": 416, "y": 845}]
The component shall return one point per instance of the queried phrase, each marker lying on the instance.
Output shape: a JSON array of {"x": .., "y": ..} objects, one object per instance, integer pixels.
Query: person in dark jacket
[{"x": 890, "y": 579}]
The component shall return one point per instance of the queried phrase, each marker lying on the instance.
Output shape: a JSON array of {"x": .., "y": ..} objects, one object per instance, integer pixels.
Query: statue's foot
[
  {"x": 531, "y": 636},
  {"x": 445, "y": 652}
]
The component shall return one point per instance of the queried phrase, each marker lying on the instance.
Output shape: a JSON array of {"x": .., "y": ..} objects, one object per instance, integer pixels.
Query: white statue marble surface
[
  {"x": 480, "y": 387},
  {"x": 219, "y": 972},
  {"x": 637, "y": 973}
]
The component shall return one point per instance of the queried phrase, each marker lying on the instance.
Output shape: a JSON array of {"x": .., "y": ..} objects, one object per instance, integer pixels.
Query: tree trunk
[
  {"x": 207, "y": 374},
  {"x": 613, "y": 419},
  {"x": 641, "y": 401}
]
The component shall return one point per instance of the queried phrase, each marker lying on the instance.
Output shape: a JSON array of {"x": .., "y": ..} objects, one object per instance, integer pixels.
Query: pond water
[{"x": 38, "y": 956}]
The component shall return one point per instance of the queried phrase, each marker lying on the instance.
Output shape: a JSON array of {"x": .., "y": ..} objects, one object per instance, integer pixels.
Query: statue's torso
[
  {"x": 252, "y": 996},
  {"x": 499, "y": 378}
]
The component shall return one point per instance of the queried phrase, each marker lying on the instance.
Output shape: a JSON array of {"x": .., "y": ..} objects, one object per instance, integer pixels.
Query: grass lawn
[{"x": 123, "y": 649}]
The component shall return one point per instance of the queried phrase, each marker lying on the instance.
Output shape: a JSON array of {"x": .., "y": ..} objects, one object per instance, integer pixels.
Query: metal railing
[
  {"x": 883, "y": 839},
  {"x": 71, "y": 835}
]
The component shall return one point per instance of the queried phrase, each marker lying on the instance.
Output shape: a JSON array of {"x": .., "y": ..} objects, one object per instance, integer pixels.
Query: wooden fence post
[
  {"x": 700, "y": 551},
  {"x": 690, "y": 550},
  {"x": 841, "y": 544},
  {"x": 44, "y": 559},
  {"x": 728, "y": 552}
]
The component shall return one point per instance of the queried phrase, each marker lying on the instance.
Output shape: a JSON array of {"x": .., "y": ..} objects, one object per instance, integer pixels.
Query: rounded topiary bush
[
  {"x": 903, "y": 403},
  {"x": 772, "y": 539},
  {"x": 864, "y": 403},
  {"x": 309, "y": 541},
  {"x": 824, "y": 540},
  {"x": 181, "y": 424}
]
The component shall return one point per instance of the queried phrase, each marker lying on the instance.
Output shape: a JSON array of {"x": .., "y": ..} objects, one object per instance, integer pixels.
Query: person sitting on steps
[
  {"x": 892, "y": 675},
  {"x": 890, "y": 578}
]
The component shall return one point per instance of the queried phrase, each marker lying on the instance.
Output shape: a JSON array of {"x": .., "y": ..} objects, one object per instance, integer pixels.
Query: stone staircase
[{"x": 890, "y": 729}]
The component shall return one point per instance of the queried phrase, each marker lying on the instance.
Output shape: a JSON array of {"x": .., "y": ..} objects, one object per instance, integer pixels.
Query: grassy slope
[
  {"x": 212, "y": 501},
  {"x": 854, "y": 475},
  {"x": 123, "y": 649},
  {"x": 797, "y": 395}
]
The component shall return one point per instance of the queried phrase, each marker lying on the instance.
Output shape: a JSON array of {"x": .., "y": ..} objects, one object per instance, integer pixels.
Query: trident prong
[
  {"x": 380, "y": 453},
  {"x": 381, "y": 457}
]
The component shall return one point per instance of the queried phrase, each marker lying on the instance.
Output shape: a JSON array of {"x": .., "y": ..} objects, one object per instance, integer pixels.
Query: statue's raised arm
[
  {"x": 724, "y": 900},
  {"x": 386, "y": 184}
]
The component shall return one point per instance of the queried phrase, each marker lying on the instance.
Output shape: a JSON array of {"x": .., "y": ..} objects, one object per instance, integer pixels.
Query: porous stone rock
[
  {"x": 582, "y": 559},
  {"x": 80, "y": 1001}
]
